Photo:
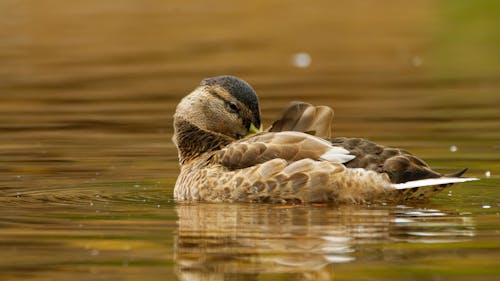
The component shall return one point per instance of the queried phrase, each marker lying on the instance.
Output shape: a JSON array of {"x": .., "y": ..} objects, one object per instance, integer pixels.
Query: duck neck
[{"x": 191, "y": 141}]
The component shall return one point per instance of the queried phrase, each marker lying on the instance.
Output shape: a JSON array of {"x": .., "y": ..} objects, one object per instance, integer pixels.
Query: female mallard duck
[{"x": 224, "y": 157}]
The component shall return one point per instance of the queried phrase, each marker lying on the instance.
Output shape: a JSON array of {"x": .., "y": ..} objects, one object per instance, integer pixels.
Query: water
[{"x": 88, "y": 88}]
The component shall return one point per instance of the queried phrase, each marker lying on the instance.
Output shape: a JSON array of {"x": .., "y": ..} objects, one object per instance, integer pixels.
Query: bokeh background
[{"x": 88, "y": 89}]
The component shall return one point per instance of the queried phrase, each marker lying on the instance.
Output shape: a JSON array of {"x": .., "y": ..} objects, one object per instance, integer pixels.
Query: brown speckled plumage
[
  {"x": 292, "y": 162},
  {"x": 276, "y": 181},
  {"x": 400, "y": 165},
  {"x": 276, "y": 167}
]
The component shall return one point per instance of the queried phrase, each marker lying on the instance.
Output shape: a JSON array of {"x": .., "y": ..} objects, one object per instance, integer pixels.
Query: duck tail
[
  {"x": 457, "y": 174},
  {"x": 422, "y": 189}
]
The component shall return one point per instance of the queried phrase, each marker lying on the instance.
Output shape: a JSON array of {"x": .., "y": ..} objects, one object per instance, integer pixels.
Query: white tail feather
[
  {"x": 430, "y": 182},
  {"x": 337, "y": 155}
]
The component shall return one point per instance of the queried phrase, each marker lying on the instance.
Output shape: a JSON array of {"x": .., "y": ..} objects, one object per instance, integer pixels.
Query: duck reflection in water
[{"x": 303, "y": 242}]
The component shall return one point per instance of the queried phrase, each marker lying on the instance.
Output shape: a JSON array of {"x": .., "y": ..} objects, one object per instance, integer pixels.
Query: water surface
[{"x": 88, "y": 88}]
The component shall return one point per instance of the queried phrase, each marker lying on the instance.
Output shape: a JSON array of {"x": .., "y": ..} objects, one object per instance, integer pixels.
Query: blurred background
[{"x": 88, "y": 89}]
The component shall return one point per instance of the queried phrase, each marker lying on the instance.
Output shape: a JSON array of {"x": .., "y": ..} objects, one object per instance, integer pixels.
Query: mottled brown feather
[
  {"x": 278, "y": 181},
  {"x": 306, "y": 118},
  {"x": 290, "y": 146},
  {"x": 398, "y": 164},
  {"x": 192, "y": 141}
]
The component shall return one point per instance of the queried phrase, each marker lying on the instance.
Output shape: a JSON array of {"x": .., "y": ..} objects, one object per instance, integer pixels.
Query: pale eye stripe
[
  {"x": 226, "y": 100},
  {"x": 217, "y": 95},
  {"x": 222, "y": 96}
]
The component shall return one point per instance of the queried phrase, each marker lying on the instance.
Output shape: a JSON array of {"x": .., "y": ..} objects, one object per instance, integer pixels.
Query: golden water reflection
[
  {"x": 215, "y": 242},
  {"x": 87, "y": 168}
]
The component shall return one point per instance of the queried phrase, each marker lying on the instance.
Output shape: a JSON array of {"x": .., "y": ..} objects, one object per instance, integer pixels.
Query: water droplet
[
  {"x": 158, "y": 206},
  {"x": 487, "y": 174},
  {"x": 338, "y": 258},
  {"x": 301, "y": 60},
  {"x": 403, "y": 220},
  {"x": 416, "y": 61},
  {"x": 91, "y": 203},
  {"x": 453, "y": 148},
  {"x": 486, "y": 206},
  {"x": 137, "y": 185}
]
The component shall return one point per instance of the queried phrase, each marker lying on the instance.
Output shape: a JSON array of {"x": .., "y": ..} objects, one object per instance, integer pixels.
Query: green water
[{"x": 87, "y": 167}]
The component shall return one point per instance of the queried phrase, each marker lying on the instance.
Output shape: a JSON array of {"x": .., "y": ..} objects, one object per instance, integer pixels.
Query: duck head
[{"x": 219, "y": 111}]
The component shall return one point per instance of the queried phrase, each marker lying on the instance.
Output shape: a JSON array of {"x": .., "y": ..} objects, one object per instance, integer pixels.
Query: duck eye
[{"x": 233, "y": 107}]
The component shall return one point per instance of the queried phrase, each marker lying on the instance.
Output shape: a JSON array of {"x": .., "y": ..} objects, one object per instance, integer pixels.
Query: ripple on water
[{"x": 88, "y": 194}]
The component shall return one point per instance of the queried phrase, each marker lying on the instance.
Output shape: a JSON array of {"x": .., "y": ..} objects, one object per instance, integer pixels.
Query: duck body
[
  {"x": 224, "y": 157},
  {"x": 255, "y": 170}
]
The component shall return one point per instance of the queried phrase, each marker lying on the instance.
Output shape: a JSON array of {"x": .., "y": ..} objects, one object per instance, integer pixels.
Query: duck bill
[{"x": 254, "y": 130}]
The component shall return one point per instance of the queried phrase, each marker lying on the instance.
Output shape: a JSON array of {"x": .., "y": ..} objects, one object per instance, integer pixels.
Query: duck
[{"x": 226, "y": 156}]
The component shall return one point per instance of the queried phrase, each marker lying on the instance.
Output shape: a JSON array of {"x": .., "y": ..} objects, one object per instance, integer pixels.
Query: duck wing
[
  {"x": 289, "y": 146},
  {"x": 306, "y": 118},
  {"x": 400, "y": 165}
]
